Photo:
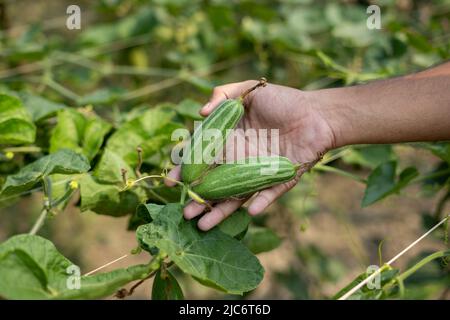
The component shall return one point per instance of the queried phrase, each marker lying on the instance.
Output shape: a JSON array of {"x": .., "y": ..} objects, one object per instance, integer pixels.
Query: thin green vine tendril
[{"x": 131, "y": 183}]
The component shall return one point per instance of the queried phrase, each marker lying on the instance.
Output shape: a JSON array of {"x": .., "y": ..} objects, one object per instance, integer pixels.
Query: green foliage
[
  {"x": 108, "y": 199},
  {"x": 151, "y": 131},
  {"x": 32, "y": 268},
  {"x": 213, "y": 258},
  {"x": 79, "y": 133},
  {"x": 370, "y": 156},
  {"x": 189, "y": 109},
  {"x": 166, "y": 287},
  {"x": 260, "y": 239},
  {"x": 16, "y": 126},
  {"x": 237, "y": 224},
  {"x": 64, "y": 161},
  {"x": 392, "y": 282},
  {"x": 440, "y": 149},
  {"x": 383, "y": 181},
  {"x": 129, "y": 60},
  {"x": 39, "y": 107}
]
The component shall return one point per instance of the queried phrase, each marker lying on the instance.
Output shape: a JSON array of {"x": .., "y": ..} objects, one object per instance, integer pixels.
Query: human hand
[{"x": 304, "y": 135}]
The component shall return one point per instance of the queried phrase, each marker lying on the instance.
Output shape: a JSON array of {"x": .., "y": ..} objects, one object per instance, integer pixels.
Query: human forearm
[{"x": 404, "y": 109}]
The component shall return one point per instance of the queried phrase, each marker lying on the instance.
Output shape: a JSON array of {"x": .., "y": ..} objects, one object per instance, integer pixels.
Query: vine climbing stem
[
  {"x": 47, "y": 187},
  {"x": 154, "y": 266},
  {"x": 39, "y": 222},
  {"x": 388, "y": 264}
]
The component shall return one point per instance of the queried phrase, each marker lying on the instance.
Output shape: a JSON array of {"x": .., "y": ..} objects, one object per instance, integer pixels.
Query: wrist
[{"x": 334, "y": 108}]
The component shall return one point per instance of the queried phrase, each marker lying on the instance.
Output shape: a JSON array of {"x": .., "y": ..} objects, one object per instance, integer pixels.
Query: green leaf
[
  {"x": 166, "y": 287},
  {"x": 237, "y": 224},
  {"x": 16, "y": 126},
  {"x": 419, "y": 42},
  {"x": 108, "y": 199},
  {"x": 151, "y": 131},
  {"x": 213, "y": 258},
  {"x": 94, "y": 134},
  {"x": 39, "y": 107},
  {"x": 60, "y": 189},
  {"x": 370, "y": 156},
  {"x": 77, "y": 132},
  {"x": 109, "y": 169},
  {"x": 189, "y": 109},
  {"x": 64, "y": 162},
  {"x": 32, "y": 268},
  {"x": 261, "y": 239},
  {"x": 144, "y": 214},
  {"x": 383, "y": 182}
]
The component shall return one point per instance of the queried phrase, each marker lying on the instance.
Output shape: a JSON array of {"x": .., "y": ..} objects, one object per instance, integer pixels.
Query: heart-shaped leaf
[
  {"x": 32, "y": 268},
  {"x": 213, "y": 258},
  {"x": 64, "y": 161}
]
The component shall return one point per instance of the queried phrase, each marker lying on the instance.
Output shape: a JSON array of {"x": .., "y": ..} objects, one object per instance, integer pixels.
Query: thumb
[{"x": 221, "y": 93}]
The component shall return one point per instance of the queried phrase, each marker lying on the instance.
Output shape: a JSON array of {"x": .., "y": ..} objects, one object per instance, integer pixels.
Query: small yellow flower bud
[
  {"x": 130, "y": 183},
  {"x": 9, "y": 155},
  {"x": 74, "y": 185}
]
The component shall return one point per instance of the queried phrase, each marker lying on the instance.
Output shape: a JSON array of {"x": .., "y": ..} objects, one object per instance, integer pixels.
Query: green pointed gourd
[
  {"x": 226, "y": 116},
  {"x": 240, "y": 180}
]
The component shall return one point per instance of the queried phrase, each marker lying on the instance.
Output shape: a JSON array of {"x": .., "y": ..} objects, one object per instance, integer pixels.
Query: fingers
[
  {"x": 266, "y": 197},
  {"x": 174, "y": 174},
  {"x": 218, "y": 213},
  {"x": 221, "y": 93},
  {"x": 193, "y": 209}
]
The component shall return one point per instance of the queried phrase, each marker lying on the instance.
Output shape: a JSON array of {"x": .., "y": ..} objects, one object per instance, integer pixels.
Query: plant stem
[
  {"x": 47, "y": 188},
  {"x": 262, "y": 83},
  {"x": 154, "y": 266},
  {"x": 340, "y": 172},
  {"x": 62, "y": 90},
  {"x": 39, "y": 222},
  {"x": 441, "y": 205},
  {"x": 159, "y": 177},
  {"x": 140, "y": 161},
  {"x": 29, "y": 149},
  {"x": 335, "y": 156},
  {"x": 431, "y": 175},
  {"x": 402, "y": 277},
  {"x": 160, "y": 198}
]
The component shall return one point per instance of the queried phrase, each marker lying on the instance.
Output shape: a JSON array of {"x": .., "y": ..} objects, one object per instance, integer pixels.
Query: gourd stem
[{"x": 262, "y": 83}]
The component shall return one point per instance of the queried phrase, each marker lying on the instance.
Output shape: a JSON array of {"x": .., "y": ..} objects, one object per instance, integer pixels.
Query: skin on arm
[{"x": 404, "y": 109}]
